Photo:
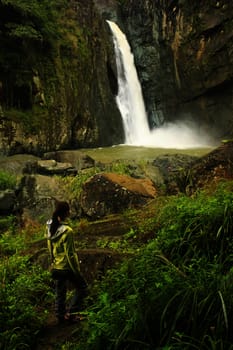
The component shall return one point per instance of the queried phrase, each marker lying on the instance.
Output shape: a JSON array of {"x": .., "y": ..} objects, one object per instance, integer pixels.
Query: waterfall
[
  {"x": 130, "y": 102},
  {"x": 129, "y": 99}
]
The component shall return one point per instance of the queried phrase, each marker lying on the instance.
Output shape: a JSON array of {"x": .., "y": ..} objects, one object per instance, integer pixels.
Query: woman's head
[{"x": 61, "y": 212}]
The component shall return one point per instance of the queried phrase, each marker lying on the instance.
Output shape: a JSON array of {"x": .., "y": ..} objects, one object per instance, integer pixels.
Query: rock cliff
[
  {"x": 58, "y": 74},
  {"x": 183, "y": 52},
  {"x": 56, "y": 80}
]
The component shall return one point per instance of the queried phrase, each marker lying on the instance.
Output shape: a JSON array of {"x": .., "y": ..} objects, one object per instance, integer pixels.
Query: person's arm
[
  {"x": 49, "y": 243},
  {"x": 70, "y": 251}
]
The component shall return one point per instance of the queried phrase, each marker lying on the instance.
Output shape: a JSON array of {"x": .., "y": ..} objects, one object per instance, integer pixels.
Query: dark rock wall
[
  {"x": 59, "y": 92},
  {"x": 141, "y": 22},
  {"x": 183, "y": 53}
]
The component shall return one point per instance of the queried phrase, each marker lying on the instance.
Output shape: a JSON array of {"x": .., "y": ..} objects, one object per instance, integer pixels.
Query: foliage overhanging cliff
[{"x": 55, "y": 78}]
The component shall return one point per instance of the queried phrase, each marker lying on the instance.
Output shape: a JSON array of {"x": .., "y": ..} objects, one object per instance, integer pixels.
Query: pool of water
[
  {"x": 16, "y": 163},
  {"x": 123, "y": 152}
]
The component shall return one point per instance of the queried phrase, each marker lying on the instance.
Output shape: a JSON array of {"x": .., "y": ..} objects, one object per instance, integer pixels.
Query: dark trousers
[{"x": 61, "y": 278}]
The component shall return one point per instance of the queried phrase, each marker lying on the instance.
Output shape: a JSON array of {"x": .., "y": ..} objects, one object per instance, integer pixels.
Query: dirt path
[{"x": 54, "y": 335}]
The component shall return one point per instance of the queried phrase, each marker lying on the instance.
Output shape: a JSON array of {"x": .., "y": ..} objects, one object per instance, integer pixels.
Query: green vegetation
[
  {"x": 25, "y": 290},
  {"x": 7, "y": 181},
  {"x": 174, "y": 290},
  {"x": 122, "y": 2},
  {"x": 30, "y": 21},
  {"x": 7, "y": 221},
  {"x": 74, "y": 185},
  {"x": 23, "y": 294},
  {"x": 176, "y": 293},
  {"x": 119, "y": 167},
  {"x": 41, "y": 42},
  {"x": 28, "y": 30}
]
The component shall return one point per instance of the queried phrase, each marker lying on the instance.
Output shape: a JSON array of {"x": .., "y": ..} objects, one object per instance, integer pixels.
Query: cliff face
[
  {"x": 58, "y": 75},
  {"x": 56, "y": 80},
  {"x": 183, "y": 52}
]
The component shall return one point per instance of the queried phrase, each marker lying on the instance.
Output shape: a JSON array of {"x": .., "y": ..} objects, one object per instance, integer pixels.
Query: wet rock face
[
  {"x": 183, "y": 53},
  {"x": 202, "y": 46},
  {"x": 65, "y": 100},
  {"x": 141, "y": 24}
]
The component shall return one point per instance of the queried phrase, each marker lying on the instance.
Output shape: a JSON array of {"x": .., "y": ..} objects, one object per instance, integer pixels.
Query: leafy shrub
[
  {"x": 37, "y": 18},
  {"x": 7, "y": 223},
  {"x": 10, "y": 243},
  {"x": 15, "y": 239},
  {"x": 119, "y": 167},
  {"x": 24, "y": 293},
  {"x": 74, "y": 185},
  {"x": 199, "y": 225},
  {"x": 7, "y": 181}
]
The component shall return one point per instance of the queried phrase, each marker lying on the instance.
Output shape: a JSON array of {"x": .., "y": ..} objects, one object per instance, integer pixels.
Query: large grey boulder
[
  {"x": 49, "y": 167},
  {"x": 78, "y": 159},
  {"x": 38, "y": 194}
]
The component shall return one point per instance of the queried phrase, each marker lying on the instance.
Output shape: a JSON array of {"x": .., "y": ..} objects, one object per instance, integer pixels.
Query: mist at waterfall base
[{"x": 179, "y": 135}]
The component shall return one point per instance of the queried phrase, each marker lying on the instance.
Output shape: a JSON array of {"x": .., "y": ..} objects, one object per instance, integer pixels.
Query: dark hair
[{"x": 61, "y": 212}]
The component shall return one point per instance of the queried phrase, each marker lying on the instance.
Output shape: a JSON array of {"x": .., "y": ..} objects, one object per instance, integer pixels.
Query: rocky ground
[{"x": 138, "y": 193}]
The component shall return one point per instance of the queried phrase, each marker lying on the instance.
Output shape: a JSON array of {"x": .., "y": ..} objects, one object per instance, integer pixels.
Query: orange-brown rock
[{"x": 107, "y": 193}]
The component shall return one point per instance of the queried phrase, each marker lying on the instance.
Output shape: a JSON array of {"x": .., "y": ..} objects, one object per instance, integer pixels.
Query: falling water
[
  {"x": 131, "y": 105},
  {"x": 129, "y": 99}
]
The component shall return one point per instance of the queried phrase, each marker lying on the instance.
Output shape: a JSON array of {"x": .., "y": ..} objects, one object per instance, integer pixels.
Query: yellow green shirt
[{"x": 62, "y": 249}]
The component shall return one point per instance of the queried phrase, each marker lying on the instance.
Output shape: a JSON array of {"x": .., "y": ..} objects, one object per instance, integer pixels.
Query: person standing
[{"x": 64, "y": 264}]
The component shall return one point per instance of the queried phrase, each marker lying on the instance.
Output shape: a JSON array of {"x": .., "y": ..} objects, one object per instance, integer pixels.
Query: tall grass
[
  {"x": 7, "y": 180},
  {"x": 25, "y": 289},
  {"x": 24, "y": 292},
  {"x": 177, "y": 293}
]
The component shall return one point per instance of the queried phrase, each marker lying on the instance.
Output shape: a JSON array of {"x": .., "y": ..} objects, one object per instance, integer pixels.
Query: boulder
[
  {"x": 183, "y": 173},
  {"x": 77, "y": 159},
  {"x": 107, "y": 193},
  {"x": 214, "y": 166},
  {"x": 49, "y": 167},
  {"x": 16, "y": 164},
  {"x": 8, "y": 202},
  {"x": 37, "y": 194},
  {"x": 173, "y": 167}
]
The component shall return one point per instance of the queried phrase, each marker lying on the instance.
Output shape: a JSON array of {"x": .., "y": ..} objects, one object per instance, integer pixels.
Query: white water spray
[
  {"x": 129, "y": 99},
  {"x": 131, "y": 105}
]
